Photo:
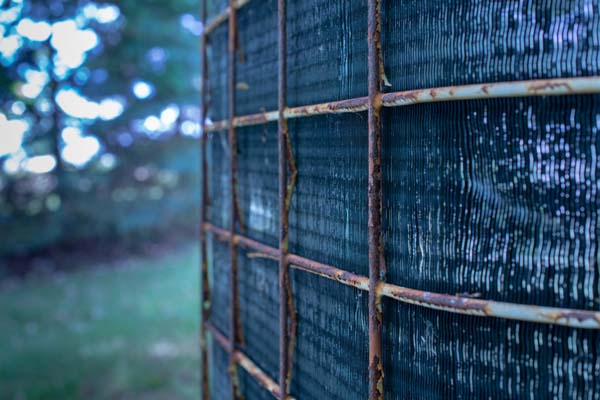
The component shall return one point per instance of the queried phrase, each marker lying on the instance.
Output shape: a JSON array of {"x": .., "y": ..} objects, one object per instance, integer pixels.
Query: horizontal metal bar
[
  {"x": 537, "y": 87},
  {"x": 489, "y": 308},
  {"x": 245, "y": 362},
  {"x": 224, "y": 236},
  {"x": 345, "y": 106},
  {"x": 296, "y": 262},
  {"x": 438, "y": 301},
  {"x": 222, "y": 17},
  {"x": 327, "y": 271}
]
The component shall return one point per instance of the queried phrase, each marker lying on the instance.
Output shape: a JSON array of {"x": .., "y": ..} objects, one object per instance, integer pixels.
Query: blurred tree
[{"x": 99, "y": 119}]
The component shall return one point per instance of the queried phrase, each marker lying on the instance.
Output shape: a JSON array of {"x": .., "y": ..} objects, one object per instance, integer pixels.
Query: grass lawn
[{"x": 122, "y": 331}]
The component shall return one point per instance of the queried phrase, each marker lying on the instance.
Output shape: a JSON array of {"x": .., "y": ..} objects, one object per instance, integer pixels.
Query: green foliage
[
  {"x": 143, "y": 179},
  {"x": 90, "y": 335}
]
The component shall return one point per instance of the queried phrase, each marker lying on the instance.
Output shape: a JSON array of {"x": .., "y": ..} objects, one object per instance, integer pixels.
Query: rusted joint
[
  {"x": 377, "y": 101},
  {"x": 376, "y": 370}
]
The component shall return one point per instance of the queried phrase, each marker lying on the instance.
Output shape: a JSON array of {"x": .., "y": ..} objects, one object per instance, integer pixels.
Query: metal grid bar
[
  {"x": 480, "y": 91},
  {"x": 374, "y": 283},
  {"x": 445, "y": 302},
  {"x": 204, "y": 286},
  {"x": 245, "y": 362},
  {"x": 375, "y": 74},
  {"x": 287, "y": 317},
  {"x": 234, "y": 323}
]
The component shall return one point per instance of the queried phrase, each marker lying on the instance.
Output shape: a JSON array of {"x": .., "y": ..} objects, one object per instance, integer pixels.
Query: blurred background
[{"x": 99, "y": 194}]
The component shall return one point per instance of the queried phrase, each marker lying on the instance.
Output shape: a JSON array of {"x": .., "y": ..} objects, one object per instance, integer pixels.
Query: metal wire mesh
[
  {"x": 497, "y": 199},
  {"x": 483, "y": 200},
  {"x": 328, "y": 220},
  {"x": 440, "y": 43}
]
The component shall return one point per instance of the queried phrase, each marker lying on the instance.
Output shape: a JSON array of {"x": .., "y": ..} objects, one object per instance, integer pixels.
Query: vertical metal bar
[
  {"x": 234, "y": 334},
  {"x": 286, "y": 308},
  {"x": 204, "y": 285},
  {"x": 374, "y": 202}
]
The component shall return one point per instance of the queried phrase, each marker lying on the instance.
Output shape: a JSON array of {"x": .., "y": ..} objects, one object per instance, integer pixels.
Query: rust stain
[
  {"x": 286, "y": 287},
  {"x": 352, "y": 105},
  {"x": 345, "y": 277},
  {"x": 410, "y": 96},
  {"x": 397, "y": 99},
  {"x": 438, "y": 300},
  {"x": 548, "y": 85},
  {"x": 293, "y": 327},
  {"x": 375, "y": 75},
  {"x": 577, "y": 315},
  {"x": 374, "y": 283}
]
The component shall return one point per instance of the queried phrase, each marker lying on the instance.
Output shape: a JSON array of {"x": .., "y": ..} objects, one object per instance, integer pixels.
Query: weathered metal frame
[
  {"x": 235, "y": 325},
  {"x": 376, "y": 272},
  {"x": 287, "y": 317},
  {"x": 573, "y": 318},
  {"x": 374, "y": 284},
  {"x": 480, "y": 91}
]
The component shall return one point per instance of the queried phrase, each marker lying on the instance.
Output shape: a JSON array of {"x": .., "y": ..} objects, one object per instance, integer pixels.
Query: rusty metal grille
[{"x": 405, "y": 309}]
